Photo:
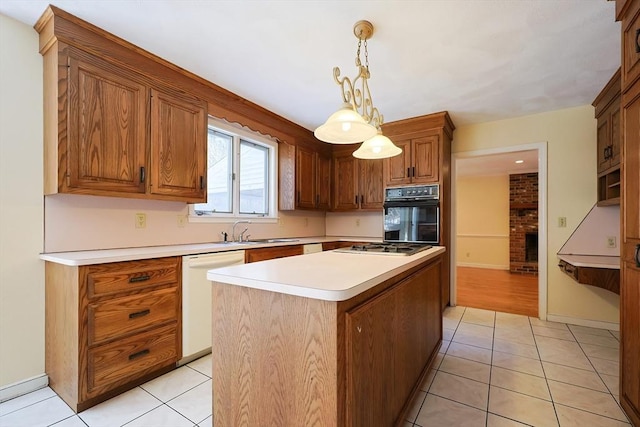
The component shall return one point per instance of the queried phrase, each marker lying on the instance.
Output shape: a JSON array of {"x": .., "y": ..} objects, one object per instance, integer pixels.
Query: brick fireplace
[{"x": 523, "y": 223}]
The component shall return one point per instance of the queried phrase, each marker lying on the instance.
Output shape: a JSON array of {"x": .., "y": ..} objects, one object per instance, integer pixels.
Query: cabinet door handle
[
  {"x": 408, "y": 172},
  {"x": 637, "y": 44},
  {"x": 298, "y": 197},
  {"x": 361, "y": 199},
  {"x": 139, "y": 314},
  {"x": 202, "y": 182},
  {"x": 142, "y": 174},
  {"x": 637, "y": 256},
  {"x": 317, "y": 200},
  {"x": 139, "y": 279},
  {"x": 139, "y": 354},
  {"x": 356, "y": 201},
  {"x": 413, "y": 171}
]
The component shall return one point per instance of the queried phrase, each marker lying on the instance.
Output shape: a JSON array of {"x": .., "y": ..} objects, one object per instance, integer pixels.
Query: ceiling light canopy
[{"x": 358, "y": 119}]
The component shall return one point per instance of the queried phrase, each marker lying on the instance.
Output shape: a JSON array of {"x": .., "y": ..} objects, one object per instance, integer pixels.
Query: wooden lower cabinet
[
  {"x": 354, "y": 363},
  {"x": 110, "y": 327},
  {"x": 630, "y": 340},
  {"x": 263, "y": 254},
  {"x": 389, "y": 342}
]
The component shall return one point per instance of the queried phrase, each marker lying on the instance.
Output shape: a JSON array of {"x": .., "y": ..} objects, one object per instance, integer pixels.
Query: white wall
[
  {"x": 79, "y": 222},
  {"x": 571, "y": 164},
  {"x": 482, "y": 221},
  {"x": 21, "y": 207}
]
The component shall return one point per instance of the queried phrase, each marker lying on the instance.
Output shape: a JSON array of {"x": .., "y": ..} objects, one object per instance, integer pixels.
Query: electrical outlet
[
  {"x": 182, "y": 221},
  {"x": 562, "y": 221},
  {"x": 357, "y": 222},
  {"x": 306, "y": 222},
  {"x": 281, "y": 222},
  {"x": 141, "y": 220},
  {"x": 468, "y": 254},
  {"x": 611, "y": 242}
]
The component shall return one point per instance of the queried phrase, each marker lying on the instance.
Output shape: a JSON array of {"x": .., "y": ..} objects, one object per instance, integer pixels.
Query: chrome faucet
[{"x": 233, "y": 229}]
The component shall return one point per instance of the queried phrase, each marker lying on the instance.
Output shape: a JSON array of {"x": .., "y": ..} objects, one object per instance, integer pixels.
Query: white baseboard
[
  {"x": 584, "y": 322},
  {"x": 23, "y": 387},
  {"x": 488, "y": 266}
]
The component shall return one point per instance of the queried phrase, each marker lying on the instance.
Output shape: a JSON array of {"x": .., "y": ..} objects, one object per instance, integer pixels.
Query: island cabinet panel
[
  {"x": 103, "y": 337},
  {"x": 285, "y": 360},
  {"x": 390, "y": 340},
  {"x": 275, "y": 362}
]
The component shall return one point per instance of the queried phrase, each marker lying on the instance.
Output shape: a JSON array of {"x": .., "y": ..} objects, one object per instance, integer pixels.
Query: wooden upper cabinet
[
  {"x": 345, "y": 180},
  {"x": 312, "y": 178},
  {"x": 398, "y": 168},
  {"x": 323, "y": 182},
  {"x": 106, "y": 127},
  {"x": 306, "y": 170},
  {"x": 425, "y": 160},
  {"x": 178, "y": 147},
  {"x": 609, "y": 137},
  {"x": 630, "y": 46},
  {"x": 371, "y": 184},
  {"x": 104, "y": 132},
  {"x": 418, "y": 163},
  {"x": 358, "y": 184}
]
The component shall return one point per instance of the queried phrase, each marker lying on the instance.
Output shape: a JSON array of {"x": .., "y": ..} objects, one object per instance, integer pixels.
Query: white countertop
[
  {"x": 130, "y": 254},
  {"x": 593, "y": 261},
  {"x": 329, "y": 275}
]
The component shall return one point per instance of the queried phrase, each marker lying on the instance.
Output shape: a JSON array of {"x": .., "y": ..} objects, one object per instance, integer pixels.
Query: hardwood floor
[{"x": 497, "y": 290}]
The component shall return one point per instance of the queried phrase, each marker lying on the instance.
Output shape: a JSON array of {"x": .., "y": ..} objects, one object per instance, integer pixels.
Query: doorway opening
[{"x": 483, "y": 239}]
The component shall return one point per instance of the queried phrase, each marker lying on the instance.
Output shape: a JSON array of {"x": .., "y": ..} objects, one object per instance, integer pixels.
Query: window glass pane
[
  {"x": 254, "y": 167},
  {"x": 219, "y": 174}
]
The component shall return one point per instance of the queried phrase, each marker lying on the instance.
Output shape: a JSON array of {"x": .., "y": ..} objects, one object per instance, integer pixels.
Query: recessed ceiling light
[{"x": 519, "y": 161}]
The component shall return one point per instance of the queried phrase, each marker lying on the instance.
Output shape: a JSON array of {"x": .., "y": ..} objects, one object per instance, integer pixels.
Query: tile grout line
[
  {"x": 493, "y": 338},
  {"x": 546, "y": 380}
]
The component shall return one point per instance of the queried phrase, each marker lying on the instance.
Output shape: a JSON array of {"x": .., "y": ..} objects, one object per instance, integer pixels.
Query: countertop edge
[
  {"x": 591, "y": 261},
  {"x": 103, "y": 256}
]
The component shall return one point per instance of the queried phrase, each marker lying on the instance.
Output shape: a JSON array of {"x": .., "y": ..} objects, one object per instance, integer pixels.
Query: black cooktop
[{"x": 388, "y": 248}]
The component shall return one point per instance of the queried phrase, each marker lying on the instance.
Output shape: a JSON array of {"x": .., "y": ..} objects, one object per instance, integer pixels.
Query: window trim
[{"x": 239, "y": 134}]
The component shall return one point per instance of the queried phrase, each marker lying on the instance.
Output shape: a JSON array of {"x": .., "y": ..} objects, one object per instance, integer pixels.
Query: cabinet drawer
[
  {"x": 569, "y": 269},
  {"x": 106, "y": 279},
  {"x": 131, "y": 358},
  {"x": 113, "y": 318}
]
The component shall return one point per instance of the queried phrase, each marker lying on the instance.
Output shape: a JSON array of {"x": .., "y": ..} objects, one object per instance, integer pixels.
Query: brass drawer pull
[
  {"x": 139, "y": 314},
  {"x": 139, "y": 354},
  {"x": 139, "y": 279}
]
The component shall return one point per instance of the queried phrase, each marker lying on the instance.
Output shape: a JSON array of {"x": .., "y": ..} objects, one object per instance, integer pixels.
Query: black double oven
[{"x": 412, "y": 214}]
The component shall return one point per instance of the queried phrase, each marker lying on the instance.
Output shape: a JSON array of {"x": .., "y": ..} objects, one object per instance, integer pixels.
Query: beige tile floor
[{"x": 493, "y": 370}]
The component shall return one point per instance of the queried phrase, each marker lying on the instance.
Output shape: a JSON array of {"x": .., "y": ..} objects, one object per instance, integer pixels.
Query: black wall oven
[{"x": 412, "y": 214}]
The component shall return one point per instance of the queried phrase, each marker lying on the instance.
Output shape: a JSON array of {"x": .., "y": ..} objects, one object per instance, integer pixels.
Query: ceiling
[
  {"x": 498, "y": 164},
  {"x": 480, "y": 60}
]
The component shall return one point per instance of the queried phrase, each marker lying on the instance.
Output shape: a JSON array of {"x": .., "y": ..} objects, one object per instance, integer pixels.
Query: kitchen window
[{"x": 241, "y": 175}]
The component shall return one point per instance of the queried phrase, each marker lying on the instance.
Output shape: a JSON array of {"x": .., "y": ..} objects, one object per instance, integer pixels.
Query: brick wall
[{"x": 523, "y": 219}]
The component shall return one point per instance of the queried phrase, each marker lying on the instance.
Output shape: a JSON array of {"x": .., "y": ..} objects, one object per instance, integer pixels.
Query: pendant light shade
[
  {"x": 345, "y": 126},
  {"x": 378, "y": 147}
]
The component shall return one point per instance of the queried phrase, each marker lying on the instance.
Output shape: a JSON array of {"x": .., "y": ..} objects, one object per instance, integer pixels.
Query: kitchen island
[{"x": 325, "y": 339}]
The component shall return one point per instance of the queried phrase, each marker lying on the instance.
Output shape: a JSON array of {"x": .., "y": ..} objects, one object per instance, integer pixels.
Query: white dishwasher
[{"x": 196, "y": 300}]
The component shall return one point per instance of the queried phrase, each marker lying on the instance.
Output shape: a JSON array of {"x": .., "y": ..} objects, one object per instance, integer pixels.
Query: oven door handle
[{"x": 412, "y": 203}]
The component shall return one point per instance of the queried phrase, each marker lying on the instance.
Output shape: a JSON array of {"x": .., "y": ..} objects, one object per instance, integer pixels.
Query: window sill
[{"x": 232, "y": 219}]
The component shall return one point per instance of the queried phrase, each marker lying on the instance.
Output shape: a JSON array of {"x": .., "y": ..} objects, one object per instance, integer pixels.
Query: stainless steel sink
[
  {"x": 273, "y": 240},
  {"x": 258, "y": 241}
]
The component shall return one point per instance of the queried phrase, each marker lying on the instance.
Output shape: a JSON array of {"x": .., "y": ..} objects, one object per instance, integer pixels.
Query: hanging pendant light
[
  {"x": 358, "y": 120},
  {"x": 345, "y": 126},
  {"x": 378, "y": 147}
]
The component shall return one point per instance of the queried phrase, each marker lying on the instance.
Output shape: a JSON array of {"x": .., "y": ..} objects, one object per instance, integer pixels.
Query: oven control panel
[{"x": 417, "y": 192}]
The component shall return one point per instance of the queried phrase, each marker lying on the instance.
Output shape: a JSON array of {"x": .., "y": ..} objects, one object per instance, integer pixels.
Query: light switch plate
[{"x": 611, "y": 242}]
